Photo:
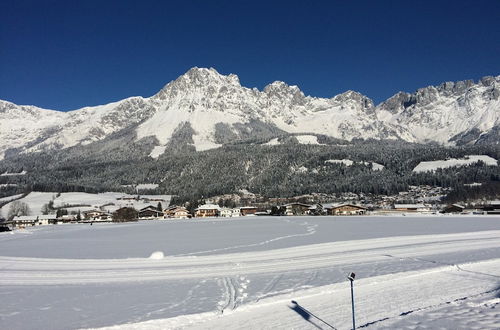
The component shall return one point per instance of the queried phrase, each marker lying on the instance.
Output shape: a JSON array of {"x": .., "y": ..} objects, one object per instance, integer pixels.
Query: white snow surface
[
  {"x": 431, "y": 166},
  {"x": 243, "y": 273},
  {"x": 110, "y": 201},
  {"x": 307, "y": 139},
  {"x": 157, "y": 151}
]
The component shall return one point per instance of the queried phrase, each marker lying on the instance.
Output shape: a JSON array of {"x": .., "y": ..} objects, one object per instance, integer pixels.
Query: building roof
[
  {"x": 409, "y": 206},
  {"x": 35, "y": 217},
  {"x": 301, "y": 204},
  {"x": 337, "y": 205},
  {"x": 208, "y": 207},
  {"x": 149, "y": 207}
]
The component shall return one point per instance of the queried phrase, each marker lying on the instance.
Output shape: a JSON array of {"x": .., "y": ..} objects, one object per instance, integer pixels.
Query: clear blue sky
[{"x": 68, "y": 54}]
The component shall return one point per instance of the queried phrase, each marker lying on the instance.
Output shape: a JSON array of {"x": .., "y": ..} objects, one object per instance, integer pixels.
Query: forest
[{"x": 284, "y": 170}]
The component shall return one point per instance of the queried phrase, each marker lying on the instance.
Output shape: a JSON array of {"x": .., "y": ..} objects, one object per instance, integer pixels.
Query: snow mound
[{"x": 157, "y": 255}]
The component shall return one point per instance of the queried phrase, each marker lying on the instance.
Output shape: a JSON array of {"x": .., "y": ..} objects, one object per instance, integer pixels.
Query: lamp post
[{"x": 351, "y": 279}]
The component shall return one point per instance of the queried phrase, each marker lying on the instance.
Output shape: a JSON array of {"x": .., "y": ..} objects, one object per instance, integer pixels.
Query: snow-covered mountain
[{"x": 206, "y": 109}]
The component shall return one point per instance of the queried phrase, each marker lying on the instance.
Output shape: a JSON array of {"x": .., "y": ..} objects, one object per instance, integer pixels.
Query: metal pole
[
  {"x": 351, "y": 278},
  {"x": 352, "y": 302}
]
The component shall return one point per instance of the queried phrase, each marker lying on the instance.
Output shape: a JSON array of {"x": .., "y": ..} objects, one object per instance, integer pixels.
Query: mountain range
[{"x": 205, "y": 110}]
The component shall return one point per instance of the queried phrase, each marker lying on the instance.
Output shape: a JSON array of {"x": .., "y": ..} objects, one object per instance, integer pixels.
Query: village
[{"x": 150, "y": 207}]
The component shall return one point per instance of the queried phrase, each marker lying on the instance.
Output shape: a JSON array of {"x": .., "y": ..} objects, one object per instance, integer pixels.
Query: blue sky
[{"x": 68, "y": 54}]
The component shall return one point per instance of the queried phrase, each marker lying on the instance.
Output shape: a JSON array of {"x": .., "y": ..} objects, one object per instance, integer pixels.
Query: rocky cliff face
[{"x": 209, "y": 109}]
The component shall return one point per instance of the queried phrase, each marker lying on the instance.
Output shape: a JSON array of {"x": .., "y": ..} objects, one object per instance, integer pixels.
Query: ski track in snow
[
  {"x": 40, "y": 271},
  {"x": 381, "y": 302},
  {"x": 310, "y": 230}
]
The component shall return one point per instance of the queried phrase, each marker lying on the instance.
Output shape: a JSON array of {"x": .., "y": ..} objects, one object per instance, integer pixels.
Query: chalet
[
  {"x": 411, "y": 208},
  {"x": 176, "y": 212},
  {"x": 226, "y": 212},
  {"x": 345, "y": 209},
  {"x": 297, "y": 209},
  {"x": 170, "y": 212},
  {"x": 34, "y": 220},
  {"x": 236, "y": 212},
  {"x": 248, "y": 210},
  {"x": 316, "y": 209},
  {"x": 207, "y": 210},
  {"x": 149, "y": 213},
  {"x": 453, "y": 208},
  {"x": 67, "y": 218},
  {"x": 96, "y": 215}
]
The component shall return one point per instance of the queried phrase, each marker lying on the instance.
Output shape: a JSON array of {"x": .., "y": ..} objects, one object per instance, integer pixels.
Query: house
[
  {"x": 345, "y": 209},
  {"x": 180, "y": 213},
  {"x": 236, "y": 212},
  {"x": 169, "y": 212},
  {"x": 453, "y": 208},
  {"x": 226, "y": 212},
  {"x": 207, "y": 210},
  {"x": 34, "y": 220},
  {"x": 297, "y": 209},
  {"x": 96, "y": 215},
  {"x": 248, "y": 210},
  {"x": 176, "y": 212},
  {"x": 149, "y": 213},
  {"x": 316, "y": 209},
  {"x": 411, "y": 208},
  {"x": 67, "y": 218}
]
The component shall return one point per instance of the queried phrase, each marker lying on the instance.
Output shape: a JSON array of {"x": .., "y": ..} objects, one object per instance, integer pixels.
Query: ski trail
[
  {"x": 442, "y": 263},
  {"x": 310, "y": 230},
  {"x": 233, "y": 293},
  {"x": 39, "y": 271},
  {"x": 228, "y": 295}
]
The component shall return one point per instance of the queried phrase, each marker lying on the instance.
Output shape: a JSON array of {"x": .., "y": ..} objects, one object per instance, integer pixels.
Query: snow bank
[{"x": 157, "y": 255}]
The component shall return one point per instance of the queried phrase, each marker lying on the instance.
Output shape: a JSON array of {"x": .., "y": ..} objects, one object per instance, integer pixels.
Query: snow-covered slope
[
  {"x": 206, "y": 109},
  {"x": 451, "y": 113},
  {"x": 29, "y": 129}
]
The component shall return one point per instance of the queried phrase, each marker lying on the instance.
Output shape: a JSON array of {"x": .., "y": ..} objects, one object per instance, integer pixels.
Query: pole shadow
[{"x": 310, "y": 317}]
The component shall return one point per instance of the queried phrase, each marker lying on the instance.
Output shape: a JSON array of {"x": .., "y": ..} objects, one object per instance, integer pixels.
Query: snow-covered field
[
  {"x": 109, "y": 201},
  {"x": 432, "y": 166},
  {"x": 411, "y": 273}
]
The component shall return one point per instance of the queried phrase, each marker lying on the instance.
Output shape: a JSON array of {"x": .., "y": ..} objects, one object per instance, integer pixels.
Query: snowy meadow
[{"x": 243, "y": 273}]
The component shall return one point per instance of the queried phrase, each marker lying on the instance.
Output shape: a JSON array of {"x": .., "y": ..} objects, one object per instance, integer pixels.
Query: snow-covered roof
[
  {"x": 409, "y": 206},
  {"x": 35, "y": 217},
  {"x": 208, "y": 207},
  {"x": 336, "y": 205}
]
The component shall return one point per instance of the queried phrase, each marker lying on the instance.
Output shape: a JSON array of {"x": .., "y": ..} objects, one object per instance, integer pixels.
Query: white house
[
  {"x": 236, "y": 212},
  {"x": 34, "y": 220},
  {"x": 207, "y": 210},
  {"x": 226, "y": 212},
  {"x": 412, "y": 207}
]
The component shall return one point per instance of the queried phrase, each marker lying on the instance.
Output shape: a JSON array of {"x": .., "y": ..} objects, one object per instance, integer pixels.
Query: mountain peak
[
  {"x": 281, "y": 87},
  {"x": 203, "y": 75}
]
